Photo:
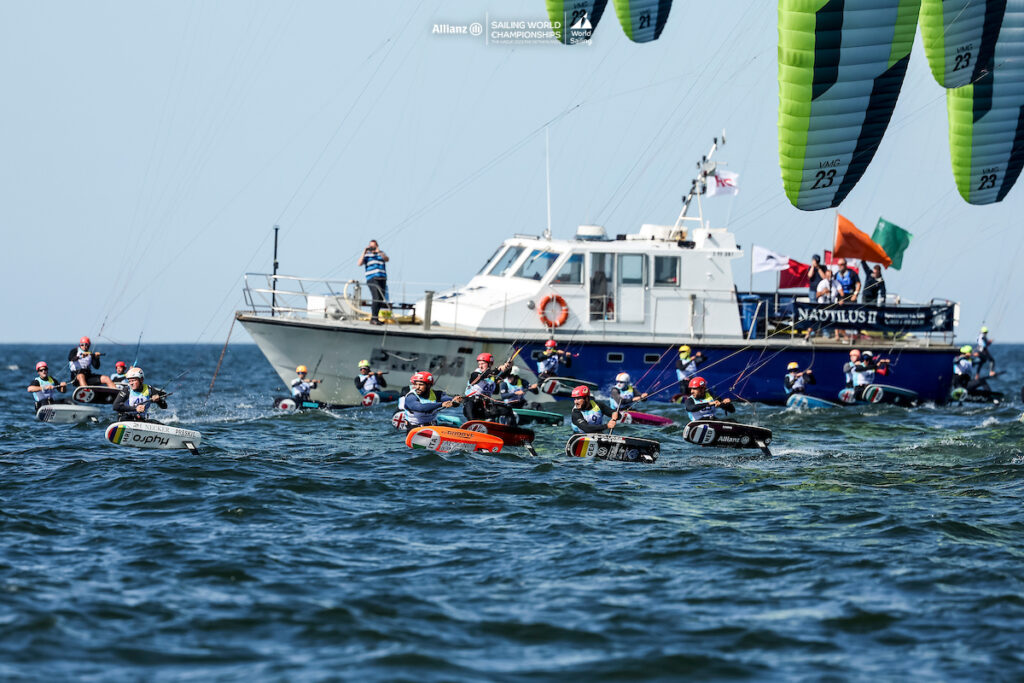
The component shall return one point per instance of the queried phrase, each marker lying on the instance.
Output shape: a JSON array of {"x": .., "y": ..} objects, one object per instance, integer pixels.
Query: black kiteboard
[
  {"x": 91, "y": 395},
  {"x": 562, "y": 386},
  {"x": 613, "y": 447},
  {"x": 883, "y": 393},
  {"x": 719, "y": 434}
]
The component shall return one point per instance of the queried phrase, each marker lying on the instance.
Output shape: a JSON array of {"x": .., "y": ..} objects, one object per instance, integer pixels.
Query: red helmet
[
  {"x": 550, "y": 344},
  {"x": 120, "y": 364},
  {"x": 697, "y": 383},
  {"x": 486, "y": 357},
  {"x": 582, "y": 391},
  {"x": 85, "y": 340},
  {"x": 41, "y": 365},
  {"x": 422, "y": 377}
]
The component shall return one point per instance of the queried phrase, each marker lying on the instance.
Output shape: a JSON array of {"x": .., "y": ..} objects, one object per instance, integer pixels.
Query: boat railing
[{"x": 288, "y": 296}]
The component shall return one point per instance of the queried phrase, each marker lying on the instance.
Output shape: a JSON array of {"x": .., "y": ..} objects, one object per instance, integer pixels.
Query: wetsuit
[
  {"x": 984, "y": 354},
  {"x": 422, "y": 410},
  {"x": 623, "y": 396},
  {"x": 83, "y": 361},
  {"x": 479, "y": 405},
  {"x": 796, "y": 383},
  {"x": 591, "y": 418},
  {"x": 513, "y": 391},
  {"x": 117, "y": 377},
  {"x": 686, "y": 368},
  {"x": 301, "y": 388},
  {"x": 46, "y": 396},
  {"x": 963, "y": 368},
  {"x": 371, "y": 382},
  {"x": 126, "y": 401},
  {"x": 705, "y": 408},
  {"x": 549, "y": 361}
]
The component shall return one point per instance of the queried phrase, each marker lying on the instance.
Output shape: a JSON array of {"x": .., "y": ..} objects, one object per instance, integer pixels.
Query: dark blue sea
[{"x": 877, "y": 543}]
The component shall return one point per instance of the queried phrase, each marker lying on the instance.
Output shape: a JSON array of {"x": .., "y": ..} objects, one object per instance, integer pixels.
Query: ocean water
[{"x": 877, "y": 543}]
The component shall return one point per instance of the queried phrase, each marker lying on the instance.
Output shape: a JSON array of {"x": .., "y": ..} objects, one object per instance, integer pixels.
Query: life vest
[
  {"x": 301, "y": 388},
  {"x": 844, "y": 280},
  {"x": 982, "y": 341},
  {"x": 795, "y": 384},
  {"x": 117, "y": 377},
  {"x": 548, "y": 363},
  {"x": 592, "y": 415},
  {"x": 367, "y": 383},
  {"x": 48, "y": 387},
  {"x": 375, "y": 267},
  {"x": 421, "y": 417},
  {"x": 962, "y": 365},
  {"x": 689, "y": 364},
  {"x": 861, "y": 376},
  {"x": 485, "y": 386},
  {"x": 626, "y": 394},
  {"x": 706, "y": 408},
  {"x": 140, "y": 398},
  {"x": 82, "y": 362}
]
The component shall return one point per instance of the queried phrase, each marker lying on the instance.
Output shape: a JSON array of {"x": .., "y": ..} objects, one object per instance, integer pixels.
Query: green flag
[{"x": 893, "y": 239}]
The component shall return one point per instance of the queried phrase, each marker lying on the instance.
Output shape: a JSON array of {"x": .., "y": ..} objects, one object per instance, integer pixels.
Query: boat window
[
  {"x": 505, "y": 261},
  {"x": 631, "y": 269},
  {"x": 651, "y": 358},
  {"x": 571, "y": 272},
  {"x": 602, "y": 279},
  {"x": 614, "y": 357},
  {"x": 666, "y": 271},
  {"x": 538, "y": 264},
  {"x": 489, "y": 261}
]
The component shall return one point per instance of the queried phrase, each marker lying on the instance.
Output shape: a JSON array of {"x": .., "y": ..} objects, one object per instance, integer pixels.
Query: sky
[{"x": 150, "y": 147}]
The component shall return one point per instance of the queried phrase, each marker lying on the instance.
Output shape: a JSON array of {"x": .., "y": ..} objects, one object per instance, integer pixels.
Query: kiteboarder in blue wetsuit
[
  {"x": 588, "y": 415},
  {"x": 133, "y": 401},
  {"x": 702, "y": 405},
  {"x": 550, "y": 359},
  {"x": 422, "y": 404}
]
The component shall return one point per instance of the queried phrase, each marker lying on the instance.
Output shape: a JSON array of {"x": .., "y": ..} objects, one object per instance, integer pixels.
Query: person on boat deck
[
  {"x": 702, "y": 405},
  {"x": 44, "y": 387},
  {"x": 984, "y": 352},
  {"x": 588, "y": 415},
  {"x": 847, "y": 281},
  {"x": 373, "y": 259},
  {"x": 482, "y": 386},
  {"x": 815, "y": 275},
  {"x": 133, "y": 401},
  {"x": 687, "y": 366},
  {"x": 514, "y": 388},
  {"x": 422, "y": 404},
  {"x": 302, "y": 386},
  {"x": 624, "y": 394},
  {"x": 81, "y": 361},
  {"x": 367, "y": 380},
  {"x": 120, "y": 368},
  {"x": 796, "y": 380},
  {"x": 874, "y": 287},
  {"x": 550, "y": 359}
]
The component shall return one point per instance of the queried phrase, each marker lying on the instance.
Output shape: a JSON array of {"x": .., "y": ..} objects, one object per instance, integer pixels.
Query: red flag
[
  {"x": 794, "y": 276},
  {"x": 829, "y": 261},
  {"x": 852, "y": 243}
]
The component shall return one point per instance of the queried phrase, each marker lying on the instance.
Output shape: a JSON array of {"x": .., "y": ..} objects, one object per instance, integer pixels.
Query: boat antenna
[
  {"x": 705, "y": 168},
  {"x": 547, "y": 168}
]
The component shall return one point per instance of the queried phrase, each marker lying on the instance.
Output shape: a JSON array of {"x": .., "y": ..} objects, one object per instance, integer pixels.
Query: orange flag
[{"x": 852, "y": 243}]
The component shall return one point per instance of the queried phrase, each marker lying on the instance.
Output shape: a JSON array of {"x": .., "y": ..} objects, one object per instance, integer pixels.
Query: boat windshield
[
  {"x": 489, "y": 261},
  {"x": 505, "y": 261},
  {"x": 571, "y": 272},
  {"x": 538, "y": 263}
]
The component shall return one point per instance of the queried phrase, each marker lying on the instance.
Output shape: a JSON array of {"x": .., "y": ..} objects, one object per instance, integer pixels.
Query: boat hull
[{"x": 750, "y": 370}]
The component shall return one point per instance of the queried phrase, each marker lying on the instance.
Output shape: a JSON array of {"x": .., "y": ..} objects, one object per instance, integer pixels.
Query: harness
[
  {"x": 47, "y": 391},
  {"x": 592, "y": 415}
]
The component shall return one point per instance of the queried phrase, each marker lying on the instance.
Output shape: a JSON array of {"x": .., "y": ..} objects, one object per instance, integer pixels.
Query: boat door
[{"x": 632, "y": 285}]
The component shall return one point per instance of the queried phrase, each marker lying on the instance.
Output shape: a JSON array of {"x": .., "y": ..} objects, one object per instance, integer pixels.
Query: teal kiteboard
[
  {"x": 543, "y": 417},
  {"x": 804, "y": 402}
]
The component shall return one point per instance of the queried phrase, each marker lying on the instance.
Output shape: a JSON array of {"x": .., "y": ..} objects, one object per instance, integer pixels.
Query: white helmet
[
  {"x": 622, "y": 377},
  {"x": 134, "y": 373},
  {"x": 514, "y": 371}
]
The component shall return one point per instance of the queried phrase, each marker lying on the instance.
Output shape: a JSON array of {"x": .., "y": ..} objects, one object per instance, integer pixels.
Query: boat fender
[{"x": 563, "y": 314}]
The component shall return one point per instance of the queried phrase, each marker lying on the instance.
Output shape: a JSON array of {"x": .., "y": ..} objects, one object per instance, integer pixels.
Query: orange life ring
[{"x": 563, "y": 315}]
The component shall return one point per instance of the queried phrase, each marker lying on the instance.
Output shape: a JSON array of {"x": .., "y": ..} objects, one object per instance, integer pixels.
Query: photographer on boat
[
  {"x": 373, "y": 259},
  {"x": 702, "y": 405},
  {"x": 133, "y": 401}
]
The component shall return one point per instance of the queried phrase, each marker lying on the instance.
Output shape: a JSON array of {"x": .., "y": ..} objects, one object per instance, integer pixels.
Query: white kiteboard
[
  {"x": 150, "y": 435},
  {"x": 66, "y": 414}
]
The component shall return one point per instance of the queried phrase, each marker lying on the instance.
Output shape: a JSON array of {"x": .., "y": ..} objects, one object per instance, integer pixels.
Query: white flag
[
  {"x": 723, "y": 182},
  {"x": 765, "y": 259}
]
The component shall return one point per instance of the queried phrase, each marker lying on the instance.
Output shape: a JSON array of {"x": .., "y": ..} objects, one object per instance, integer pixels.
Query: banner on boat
[{"x": 874, "y": 318}]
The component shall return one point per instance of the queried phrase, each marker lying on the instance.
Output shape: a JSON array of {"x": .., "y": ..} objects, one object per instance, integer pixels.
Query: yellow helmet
[
  {"x": 984, "y": 330},
  {"x": 684, "y": 349},
  {"x": 364, "y": 364},
  {"x": 301, "y": 369},
  {"x": 793, "y": 366}
]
